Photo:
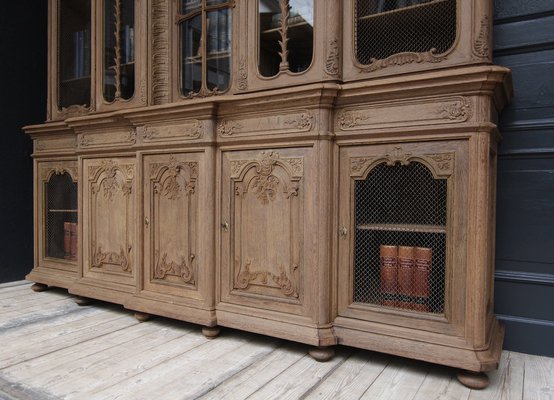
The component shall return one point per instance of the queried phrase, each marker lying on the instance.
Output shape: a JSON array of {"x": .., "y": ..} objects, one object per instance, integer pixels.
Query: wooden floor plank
[
  {"x": 506, "y": 382},
  {"x": 400, "y": 380},
  {"x": 28, "y": 347},
  {"x": 538, "y": 383},
  {"x": 37, "y": 313},
  {"x": 194, "y": 373},
  {"x": 352, "y": 378},
  {"x": 70, "y": 360},
  {"x": 12, "y": 291},
  {"x": 441, "y": 384},
  {"x": 19, "y": 304},
  {"x": 15, "y": 283},
  {"x": 300, "y": 378},
  {"x": 257, "y": 375}
]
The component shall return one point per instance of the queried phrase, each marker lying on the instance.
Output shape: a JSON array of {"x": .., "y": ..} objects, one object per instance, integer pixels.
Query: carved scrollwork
[
  {"x": 350, "y": 119},
  {"x": 110, "y": 183},
  {"x": 227, "y": 127},
  {"x": 333, "y": 58},
  {"x": 460, "y": 110},
  {"x": 182, "y": 270},
  {"x": 99, "y": 258},
  {"x": 85, "y": 141},
  {"x": 402, "y": 59},
  {"x": 75, "y": 110},
  {"x": 481, "y": 43},
  {"x": 242, "y": 77},
  {"x": 203, "y": 92},
  {"x": 131, "y": 137},
  {"x": 246, "y": 277},
  {"x": 358, "y": 165},
  {"x": 59, "y": 169},
  {"x": 443, "y": 163},
  {"x": 171, "y": 188},
  {"x": 188, "y": 130},
  {"x": 398, "y": 156},
  {"x": 303, "y": 121}
]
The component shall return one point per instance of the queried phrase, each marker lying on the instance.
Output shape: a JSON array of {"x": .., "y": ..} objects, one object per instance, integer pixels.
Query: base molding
[{"x": 187, "y": 313}]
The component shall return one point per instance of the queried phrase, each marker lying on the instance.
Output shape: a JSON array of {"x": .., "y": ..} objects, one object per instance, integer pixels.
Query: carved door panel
[
  {"x": 171, "y": 236},
  {"x": 264, "y": 202},
  {"x": 404, "y": 199},
  {"x": 109, "y": 226}
]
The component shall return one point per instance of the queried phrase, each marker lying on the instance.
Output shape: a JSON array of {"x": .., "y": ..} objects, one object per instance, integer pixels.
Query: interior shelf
[
  {"x": 62, "y": 211},
  {"x": 401, "y": 10},
  {"x": 403, "y": 228}
]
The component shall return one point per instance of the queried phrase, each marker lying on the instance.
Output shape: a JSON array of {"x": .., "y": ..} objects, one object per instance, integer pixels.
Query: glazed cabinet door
[
  {"x": 267, "y": 208},
  {"x": 109, "y": 221},
  {"x": 56, "y": 206},
  {"x": 175, "y": 225},
  {"x": 402, "y": 235}
]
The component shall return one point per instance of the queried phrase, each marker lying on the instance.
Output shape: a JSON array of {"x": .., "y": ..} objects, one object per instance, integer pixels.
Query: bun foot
[
  {"x": 322, "y": 354},
  {"x": 473, "y": 380},
  {"x": 211, "y": 332},
  {"x": 39, "y": 287},
  {"x": 142, "y": 317},
  {"x": 82, "y": 301}
]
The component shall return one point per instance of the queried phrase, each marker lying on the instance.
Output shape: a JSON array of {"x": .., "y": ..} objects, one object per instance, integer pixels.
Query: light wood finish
[
  {"x": 236, "y": 209},
  {"x": 58, "y": 350}
]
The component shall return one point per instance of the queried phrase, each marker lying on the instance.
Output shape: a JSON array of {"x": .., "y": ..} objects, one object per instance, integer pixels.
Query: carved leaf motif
[
  {"x": 181, "y": 270},
  {"x": 398, "y": 156},
  {"x": 265, "y": 187},
  {"x": 443, "y": 162},
  {"x": 131, "y": 136},
  {"x": 481, "y": 44},
  {"x": 227, "y": 127},
  {"x": 73, "y": 111},
  {"x": 246, "y": 277},
  {"x": 283, "y": 31},
  {"x": 297, "y": 166},
  {"x": 351, "y": 119},
  {"x": 333, "y": 58},
  {"x": 236, "y": 167},
  {"x": 99, "y": 258},
  {"x": 457, "y": 111},
  {"x": 242, "y": 78},
  {"x": 359, "y": 164},
  {"x": 302, "y": 121},
  {"x": 402, "y": 59}
]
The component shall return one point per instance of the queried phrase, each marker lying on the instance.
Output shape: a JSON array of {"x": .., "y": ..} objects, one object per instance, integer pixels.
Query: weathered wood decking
[{"x": 51, "y": 348}]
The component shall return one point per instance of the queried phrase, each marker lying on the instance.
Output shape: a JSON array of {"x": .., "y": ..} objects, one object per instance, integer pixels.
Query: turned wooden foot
[
  {"x": 211, "y": 332},
  {"x": 322, "y": 354},
  {"x": 473, "y": 380},
  {"x": 142, "y": 317},
  {"x": 82, "y": 301},
  {"x": 39, "y": 287}
]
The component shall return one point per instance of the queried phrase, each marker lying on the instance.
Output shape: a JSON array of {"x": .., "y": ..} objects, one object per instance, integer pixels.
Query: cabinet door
[
  {"x": 402, "y": 226},
  {"x": 265, "y": 210},
  {"x": 172, "y": 187},
  {"x": 57, "y": 212},
  {"x": 109, "y": 220}
]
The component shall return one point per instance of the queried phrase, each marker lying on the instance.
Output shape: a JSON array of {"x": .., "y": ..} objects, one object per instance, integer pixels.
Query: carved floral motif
[
  {"x": 456, "y": 111},
  {"x": 192, "y": 130},
  {"x": 227, "y": 127},
  {"x": 303, "y": 121},
  {"x": 443, "y": 163},
  {"x": 333, "y": 58},
  {"x": 110, "y": 183},
  {"x": 481, "y": 43},
  {"x": 359, "y": 164},
  {"x": 242, "y": 77},
  {"x": 181, "y": 270},
  {"x": 350, "y": 119},
  {"x": 246, "y": 277},
  {"x": 402, "y": 59}
]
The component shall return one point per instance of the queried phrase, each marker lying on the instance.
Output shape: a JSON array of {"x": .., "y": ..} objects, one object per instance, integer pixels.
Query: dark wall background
[
  {"x": 524, "y": 41},
  {"x": 23, "y": 40}
]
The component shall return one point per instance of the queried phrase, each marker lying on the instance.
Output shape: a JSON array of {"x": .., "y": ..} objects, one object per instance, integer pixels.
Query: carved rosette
[
  {"x": 332, "y": 63},
  {"x": 247, "y": 277},
  {"x": 403, "y": 59},
  {"x": 182, "y": 270},
  {"x": 481, "y": 43},
  {"x": 100, "y": 258},
  {"x": 350, "y": 119},
  {"x": 459, "y": 111}
]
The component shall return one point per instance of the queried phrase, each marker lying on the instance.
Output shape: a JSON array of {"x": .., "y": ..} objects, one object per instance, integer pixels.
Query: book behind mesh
[
  {"x": 406, "y": 268},
  {"x": 422, "y": 274},
  {"x": 389, "y": 269},
  {"x": 73, "y": 241},
  {"x": 67, "y": 240}
]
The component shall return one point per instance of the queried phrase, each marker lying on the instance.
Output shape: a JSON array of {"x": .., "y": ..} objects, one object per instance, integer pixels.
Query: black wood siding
[
  {"x": 524, "y": 298},
  {"x": 22, "y": 101}
]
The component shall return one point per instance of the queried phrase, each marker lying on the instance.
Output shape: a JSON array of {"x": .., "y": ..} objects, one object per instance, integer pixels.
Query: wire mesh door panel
[{"x": 400, "y": 236}]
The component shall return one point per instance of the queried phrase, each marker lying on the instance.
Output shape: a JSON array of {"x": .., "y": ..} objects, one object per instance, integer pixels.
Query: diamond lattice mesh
[
  {"x": 61, "y": 207},
  {"x": 387, "y": 27},
  {"x": 402, "y": 207}
]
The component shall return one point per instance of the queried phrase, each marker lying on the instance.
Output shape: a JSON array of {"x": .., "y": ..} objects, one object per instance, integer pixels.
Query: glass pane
[
  {"x": 119, "y": 66},
  {"x": 300, "y": 23},
  {"x": 403, "y": 26},
  {"x": 61, "y": 217},
  {"x": 301, "y": 34},
  {"x": 74, "y": 53},
  {"x": 188, "y": 6},
  {"x": 219, "y": 49},
  {"x": 191, "y": 56}
]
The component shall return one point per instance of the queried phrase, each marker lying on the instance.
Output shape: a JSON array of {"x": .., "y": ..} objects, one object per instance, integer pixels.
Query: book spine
[
  {"x": 389, "y": 269},
  {"x": 73, "y": 241},
  {"x": 66, "y": 240},
  {"x": 423, "y": 257},
  {"x": 406, "y": 268}
]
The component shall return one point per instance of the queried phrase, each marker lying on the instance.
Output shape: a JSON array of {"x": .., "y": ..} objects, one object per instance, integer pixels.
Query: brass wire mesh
[
  {"x": 387, "y": 27},
  {"x": 400, "y": 206}
]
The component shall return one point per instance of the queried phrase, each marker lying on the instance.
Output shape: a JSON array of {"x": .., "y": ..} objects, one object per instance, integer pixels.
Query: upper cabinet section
[
  {"x": 390, "y": 37},
  {"x": 97, "y": 60}
]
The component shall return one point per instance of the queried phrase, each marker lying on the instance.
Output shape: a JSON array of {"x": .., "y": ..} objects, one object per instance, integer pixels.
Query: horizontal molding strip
[
  {"x": 524, "y": 320},
  {"x": 524, "y": 277}
]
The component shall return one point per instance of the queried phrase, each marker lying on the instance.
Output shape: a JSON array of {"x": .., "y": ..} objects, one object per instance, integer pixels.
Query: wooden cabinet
[{"x": 320, "y": 171}]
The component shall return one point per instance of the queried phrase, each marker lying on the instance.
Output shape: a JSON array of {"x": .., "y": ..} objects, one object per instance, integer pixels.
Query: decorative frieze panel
[
  {"x": 55, "y": 144},
  {"x": 268, "y": 124},
  {"x": 405, "y": 114},
  {"x": 108, "y": 139},
  {"x": 187, "y": 130}
]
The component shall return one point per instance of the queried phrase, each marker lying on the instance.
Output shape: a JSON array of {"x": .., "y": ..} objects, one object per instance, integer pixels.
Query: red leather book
[
  {"x": 67, "y": 240},
  {"x": 406, "y": 267},
  {"x": 422, "y": 275},
  {"x": 73, "y": 241},
  {"x": 389, "y": 268}
]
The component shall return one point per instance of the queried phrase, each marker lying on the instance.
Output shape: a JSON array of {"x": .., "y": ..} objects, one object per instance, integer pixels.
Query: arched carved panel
[{"x": 267, "y": 209}]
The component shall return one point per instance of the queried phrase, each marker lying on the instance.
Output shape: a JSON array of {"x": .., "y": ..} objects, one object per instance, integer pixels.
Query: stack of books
[
  {"x": 70, "y": 241},
  {"x": 405, "y": 273}
]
